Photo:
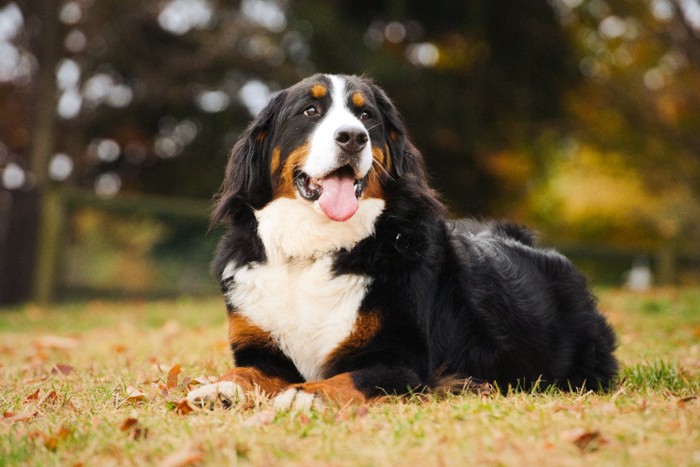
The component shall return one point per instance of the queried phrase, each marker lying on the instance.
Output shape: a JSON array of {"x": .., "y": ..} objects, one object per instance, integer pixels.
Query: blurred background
[{"x": 580, "y": 118}]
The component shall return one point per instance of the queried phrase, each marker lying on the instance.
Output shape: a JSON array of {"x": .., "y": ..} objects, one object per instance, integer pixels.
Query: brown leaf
[
  {"x": 585, "y": 440},
  {"x": 135, "y": 394},
  {"x": 189, "y": 454},
  {"x": 63, "y": 369},
  {"x": 686, "y": 400},
  {"x": 128, "y": 423},
  {"x": 21, "y": 417},
  {"x": 173, "y": 376},
  {"x": 51, "y": 399},
  {"x": 133, "y": 428},
  {"x": 183, "y": 407},
  {"x": 33, "y": 397},
  {"x": 51, "y": 441}
]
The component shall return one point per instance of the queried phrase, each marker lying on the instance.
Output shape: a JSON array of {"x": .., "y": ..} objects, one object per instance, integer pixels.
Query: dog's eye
[
  {"x": 311, "y": 111},
  {"x": 365, "y": 115}
]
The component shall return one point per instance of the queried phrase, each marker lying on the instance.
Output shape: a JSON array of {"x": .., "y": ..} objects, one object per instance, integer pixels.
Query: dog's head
[{"x": 331, "y": 141}]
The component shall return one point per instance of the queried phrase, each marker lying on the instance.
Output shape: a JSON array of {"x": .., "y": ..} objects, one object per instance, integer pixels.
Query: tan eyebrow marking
[
  {"x": 318, "y": 91},
  {"x": 358, "y": 99}
]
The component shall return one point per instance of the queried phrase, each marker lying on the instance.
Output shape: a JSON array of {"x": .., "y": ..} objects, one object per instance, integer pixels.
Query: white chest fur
[
  {"x": 302, "y": 305},
  {"x": 294, "y": 295}
]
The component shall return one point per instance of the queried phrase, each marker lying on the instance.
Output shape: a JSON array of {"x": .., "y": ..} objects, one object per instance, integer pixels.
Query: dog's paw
[
  {"x": 223, "y": 393},
  {"x": 297, "y": 399}
]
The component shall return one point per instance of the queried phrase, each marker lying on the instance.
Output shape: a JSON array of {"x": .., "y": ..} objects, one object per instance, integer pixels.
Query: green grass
[{"x": 105, "y": 397}]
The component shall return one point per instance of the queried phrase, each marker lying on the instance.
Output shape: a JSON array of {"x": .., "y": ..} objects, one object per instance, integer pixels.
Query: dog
[{"x": 344, "y": 279}]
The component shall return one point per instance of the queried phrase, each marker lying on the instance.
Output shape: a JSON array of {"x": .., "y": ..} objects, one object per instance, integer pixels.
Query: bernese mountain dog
[{"x": 344, "y": 280}]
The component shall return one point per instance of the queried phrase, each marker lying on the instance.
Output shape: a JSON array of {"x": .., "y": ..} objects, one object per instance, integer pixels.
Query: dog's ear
[
  {"x": 247, "y": 181},
  {"x": 405, "y": 158}
]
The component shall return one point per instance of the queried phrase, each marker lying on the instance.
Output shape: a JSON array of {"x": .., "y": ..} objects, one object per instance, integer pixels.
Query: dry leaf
[
  {"x": 135, "y": 394},
  {"x": 133, "y": 428},
  {"x": 173, "y": 376},
  {"x": 33, "y": 397},
  {"x": 63, "y": 369},
  {"x": 683, "y": 402},
  {"x": 585, "y": 440},
  {"x": 22, "y": 417},
  {"x": 189, "y": 454},
  {"x": 51, "y": 442},
  {"x": 51, "y": 399},
  {"x": 183, "y": 407}
]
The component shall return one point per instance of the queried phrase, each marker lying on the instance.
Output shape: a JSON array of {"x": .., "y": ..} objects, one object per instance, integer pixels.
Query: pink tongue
[{"x": 338, "y": 200}]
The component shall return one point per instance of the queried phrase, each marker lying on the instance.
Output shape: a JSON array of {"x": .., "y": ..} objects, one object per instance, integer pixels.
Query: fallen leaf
[
  {"x": 63, "y": 369},
  {"x": 135, "y": 394},
  {"x": 686, "y": 400},
  {"x": 173, "y": 376},
  {"x": 584, "y": 439},
  {"x": 133, "y": 428},
  {"x": 189, "y": 454},
  {"x": 119, "y": 348},
  {"x": 183, "y": 407},
  {"x": 56, "y": 342},
  {"x": 128, "y": 423},
  {"x": 33, "y": 397},
  {"x": 21, "y": 417},
  {"x": 51, "y": 441},
  {"x": 51, "y": 399}
]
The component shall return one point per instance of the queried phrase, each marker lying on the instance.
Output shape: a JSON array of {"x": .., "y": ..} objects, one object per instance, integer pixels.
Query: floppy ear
[
  {"x": 405, "y": 158},
  {"x": 247, "y": 181}
]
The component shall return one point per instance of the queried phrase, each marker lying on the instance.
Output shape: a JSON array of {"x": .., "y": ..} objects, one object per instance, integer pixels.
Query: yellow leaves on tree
[{"x": 594, "y": 196}]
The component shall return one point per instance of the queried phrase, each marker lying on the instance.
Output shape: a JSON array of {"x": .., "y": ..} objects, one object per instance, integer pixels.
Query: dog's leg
[
  {"x": 355, "y": 387},
  {"x": 339, "y": 389},
  {"x": 234, "y": 386}
]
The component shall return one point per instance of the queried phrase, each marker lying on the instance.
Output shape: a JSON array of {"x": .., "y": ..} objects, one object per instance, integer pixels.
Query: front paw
[
  {"x": 297, "y": 399},
  {"x": 222, "y": 393}
]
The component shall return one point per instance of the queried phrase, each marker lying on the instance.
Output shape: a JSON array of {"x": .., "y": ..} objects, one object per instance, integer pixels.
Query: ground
[{"x": 100, "y": 383}]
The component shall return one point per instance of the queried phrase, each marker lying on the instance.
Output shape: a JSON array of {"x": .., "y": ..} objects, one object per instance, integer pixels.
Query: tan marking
[
  {"x": 296, "y": 159},
  {"x": 318, "y": 91},
  {"x": 249, "y": 378},
  {"x": 339, "y": 389},
  {"x": 358, "y": 100},
  {"x": 379, "y": 171},
  {"x": 260, "y": 137},
  {"x": 366, "y": 327},
  {"x": 275, "y": 160},
  {"x": 243, "y": 333}
]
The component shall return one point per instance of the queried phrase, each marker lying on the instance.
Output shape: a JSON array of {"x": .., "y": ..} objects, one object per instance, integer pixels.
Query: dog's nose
[{"x": 351, "y": 139}]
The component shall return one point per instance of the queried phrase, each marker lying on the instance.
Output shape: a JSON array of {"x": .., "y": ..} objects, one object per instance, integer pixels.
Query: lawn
[{"x": 99, "y": 383}]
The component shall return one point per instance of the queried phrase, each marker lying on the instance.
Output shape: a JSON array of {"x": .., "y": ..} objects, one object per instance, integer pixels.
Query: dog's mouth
[{"x": 336, "y": 194}]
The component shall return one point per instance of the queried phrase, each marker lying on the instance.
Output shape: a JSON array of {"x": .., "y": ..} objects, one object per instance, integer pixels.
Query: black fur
[{"x": 460, "y": 298}]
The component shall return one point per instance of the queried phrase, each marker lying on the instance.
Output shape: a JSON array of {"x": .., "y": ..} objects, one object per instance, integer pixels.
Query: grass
[{"x": 99, "y": 383}]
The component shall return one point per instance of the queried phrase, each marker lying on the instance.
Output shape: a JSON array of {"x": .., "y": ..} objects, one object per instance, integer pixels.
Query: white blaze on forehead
[{"x": 323, "y": 151}]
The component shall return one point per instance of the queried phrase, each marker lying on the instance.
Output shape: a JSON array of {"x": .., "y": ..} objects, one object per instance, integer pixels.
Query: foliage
[
  {"x": 626, "y": 171},
  {"x": 578, "y": 116},
  {"x": 100, "y": 382}
]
